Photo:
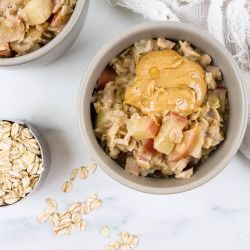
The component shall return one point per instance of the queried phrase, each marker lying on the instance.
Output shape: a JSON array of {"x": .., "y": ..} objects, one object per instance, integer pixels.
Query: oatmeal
[
  {"x": 27, "y": 25},
  {"x": 160, "y": 108}
]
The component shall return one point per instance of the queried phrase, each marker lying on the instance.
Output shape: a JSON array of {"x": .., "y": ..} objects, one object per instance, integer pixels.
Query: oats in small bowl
[{"x": 21, "y": 161}]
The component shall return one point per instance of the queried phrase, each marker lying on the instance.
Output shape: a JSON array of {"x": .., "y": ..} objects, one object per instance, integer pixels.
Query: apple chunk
[
  {"x": 38, "y": 11},
  {"x": 132, "y": 166},
  {"x": 107, "y": 75},
  {"x": 142, "y": 127},
  {"x": 147, "y": 151},
  {"x": 197, "y": 147},
  {"x": 190, "y": 145},
  {"x": 170, "y": 133},
  {"x": 102, "y": 119},
  {"x": 148, "y": 146}
]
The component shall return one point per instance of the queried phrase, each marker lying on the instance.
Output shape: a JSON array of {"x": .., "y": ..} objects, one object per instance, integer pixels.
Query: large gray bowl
[
  {"x": 237, "y": 101},
  {"x": 57, "y": 46}
]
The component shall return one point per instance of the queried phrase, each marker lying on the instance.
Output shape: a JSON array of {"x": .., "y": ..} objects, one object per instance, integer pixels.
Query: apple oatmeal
[
  {"x": 27, "y": 25},
  {"x": 159, "y": 108}
]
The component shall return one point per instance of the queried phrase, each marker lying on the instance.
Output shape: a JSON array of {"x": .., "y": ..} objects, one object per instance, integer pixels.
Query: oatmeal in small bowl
[
  {"x": 162, "y": 108},
  {"x": 29, "y": 29}
]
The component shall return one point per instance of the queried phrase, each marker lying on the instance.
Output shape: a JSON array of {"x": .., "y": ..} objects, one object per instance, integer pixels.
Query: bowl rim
[
  {"x": 85, "y": 134},
  {"x": 32, "y": 56}
]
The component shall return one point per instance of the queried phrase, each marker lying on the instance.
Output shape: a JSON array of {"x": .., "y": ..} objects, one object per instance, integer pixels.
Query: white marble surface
[{"x": 215, "y": 216}]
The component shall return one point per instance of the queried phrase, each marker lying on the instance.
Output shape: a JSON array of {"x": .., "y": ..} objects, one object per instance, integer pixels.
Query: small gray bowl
[
  {"x": 45, "y": 156},
  {"x": 217, "y": 161},
  {"x": 56, "y": 47}
]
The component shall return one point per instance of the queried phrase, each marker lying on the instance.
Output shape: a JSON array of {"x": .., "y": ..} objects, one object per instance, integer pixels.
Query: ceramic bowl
[
  {"x": 56, "y": 47},
  {"x": 220, "y": 158}
]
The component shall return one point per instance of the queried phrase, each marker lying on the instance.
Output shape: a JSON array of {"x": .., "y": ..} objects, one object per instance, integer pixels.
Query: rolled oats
[
  {"x": 65, "y": 222},
  {"x": 75, "y": 207},
  {"x": 82, "y": 225},
  {"x": 67, "y": 186},
  {"x": 83, "y": 173},
  {"x": 20, "y": 165},
  {"x": 51, "y": 202},
  {"x": 105, "y": 231},
  {"x": 125, "y": 241},
  {"x": 74, "y": 174},
  {"x": 91, "y": 168}
]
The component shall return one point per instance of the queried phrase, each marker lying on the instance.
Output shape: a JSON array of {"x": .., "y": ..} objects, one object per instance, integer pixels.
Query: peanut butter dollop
[{"x": 165, "y": 80}]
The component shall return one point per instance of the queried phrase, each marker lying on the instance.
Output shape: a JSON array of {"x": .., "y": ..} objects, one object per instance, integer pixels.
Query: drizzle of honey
[{"x": 165, "y": 80}]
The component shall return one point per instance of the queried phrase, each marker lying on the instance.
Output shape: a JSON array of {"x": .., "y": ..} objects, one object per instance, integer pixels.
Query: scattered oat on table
[
  {"x": 91, "y": 168},
  {"x": 67, "y": 221},
  {"x": 21, "y": 163},
  {"x": 67, "y": 186},
  {"x": 105, "y": 231},
  {"x": 124, "y": 241},
  {"x": 83, "y": 173},
  {"x": 74, "y": 173}
]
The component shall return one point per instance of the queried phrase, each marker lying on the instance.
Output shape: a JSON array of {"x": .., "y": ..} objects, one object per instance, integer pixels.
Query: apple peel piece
[
  {"x": 142, "y": 127},
  {"x": 147, "y": 151},
  {"x": 107, "y": 75},
  {"x": 197, "y": 147},
  {"x": 189, "y": 145}
]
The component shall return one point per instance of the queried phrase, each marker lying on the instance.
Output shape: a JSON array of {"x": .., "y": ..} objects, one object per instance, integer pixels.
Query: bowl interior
[{"x": 237, "y": 101}]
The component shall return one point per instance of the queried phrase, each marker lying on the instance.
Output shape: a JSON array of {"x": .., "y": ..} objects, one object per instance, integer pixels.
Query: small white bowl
[
  {"x": 56, "y": 47},
  {"x": 218, "y": 160}
]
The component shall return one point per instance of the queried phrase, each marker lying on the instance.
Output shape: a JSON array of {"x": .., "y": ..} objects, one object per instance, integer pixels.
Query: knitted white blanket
[{"x": 227, "y": 20}]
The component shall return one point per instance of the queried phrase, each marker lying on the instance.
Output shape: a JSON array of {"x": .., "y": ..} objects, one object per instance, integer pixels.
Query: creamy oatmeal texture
[
  {"x": 27, "y": 25},
  {"x": 160, "y": 108}
]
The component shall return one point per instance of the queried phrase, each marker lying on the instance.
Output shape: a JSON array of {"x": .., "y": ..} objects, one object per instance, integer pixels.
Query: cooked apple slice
[
  {"x": 102, "y": 119},
  {"x": 5, "y": 53},
  {"x": 62, "y": 17},
  {"x": 142, "y": 127},
  {"x": 188, "y": 144},
  {"x": 4, "y": 50},
  {"x": 197, "y": 147},
  {"x": 170, "y": 133},
  {"x": 148, "y": 146},
  {"x": 132, "y": 166},
  {"x": 38, "y": 11},
  {"x": 147, "y": 151},
  {"x": 11, "y": 29},
  {"x": 107, "y": 75}
]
